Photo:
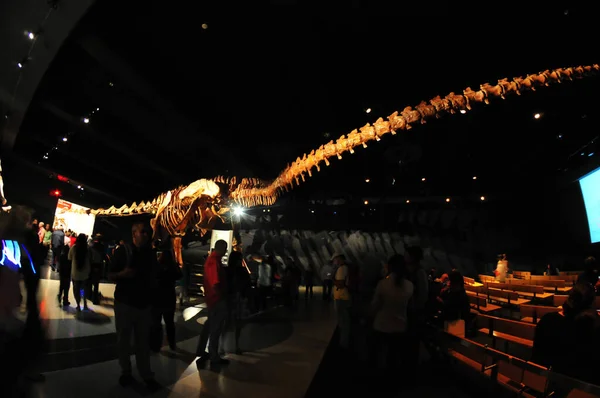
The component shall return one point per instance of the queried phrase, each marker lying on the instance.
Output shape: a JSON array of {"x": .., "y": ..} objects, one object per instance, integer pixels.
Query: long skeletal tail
[{"x": 254, "y": 194}]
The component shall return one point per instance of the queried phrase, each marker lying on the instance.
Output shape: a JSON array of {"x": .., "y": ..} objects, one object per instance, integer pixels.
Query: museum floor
[
  {"x": 282, "y": 351},
  {"x": 286, "y": 354}
]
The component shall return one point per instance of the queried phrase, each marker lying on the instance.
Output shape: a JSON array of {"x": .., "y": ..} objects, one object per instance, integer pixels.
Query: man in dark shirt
[{"x": 134, "y": 271}]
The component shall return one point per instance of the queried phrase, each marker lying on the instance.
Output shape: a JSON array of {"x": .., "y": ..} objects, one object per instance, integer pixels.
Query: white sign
[
  {"x": 73, "y": 216},
  {"x": 227, "y": 236}
]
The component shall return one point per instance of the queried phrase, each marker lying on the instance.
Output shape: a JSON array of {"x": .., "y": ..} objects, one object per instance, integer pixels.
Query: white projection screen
[
  {"x": 590, "y": 189},
  {"x": 72, "y": 216}
]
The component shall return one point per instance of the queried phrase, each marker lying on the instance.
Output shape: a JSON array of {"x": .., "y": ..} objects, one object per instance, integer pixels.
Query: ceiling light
[
  {"x": 111, "y": 84},
  {"x": 312, "y": 211},
  {"x": 238, "y": 211},
  {"x": 86, "y": 120},
  {"x": 407, "y": 201},
  {"x": 474, "y": 177},
  {"x": 366, "y": 202},
  {"x": 447, "y": 200},
  {"x": 204, "y": 26},
  {"x": 65, "y": 139},
  {"x": 97, "y": 109},
  {"x": 368, "y": 110},
  {"x": 423, "y": 179},
  {"x": 31, "y": 35},
  {"x": 463, "y": 111},
  {"x": 482, "y": 198},
  {"x": 367, "y": 180},
  {"x": 537, "y": 116},
  {"x": 20, "y": 65},
  {"x": 78, "y": 186}
]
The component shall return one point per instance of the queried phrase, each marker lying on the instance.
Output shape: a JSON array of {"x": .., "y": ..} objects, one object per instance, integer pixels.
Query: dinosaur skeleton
[{"x": 203, "y": 202}]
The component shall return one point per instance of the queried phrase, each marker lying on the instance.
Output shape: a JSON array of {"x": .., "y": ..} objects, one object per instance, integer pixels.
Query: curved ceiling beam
[
  {"x": 82, "y": 159},
  {"x": 180, "y": 128},
  {"x": 16, "y": 18},
  {"x": 106, "y": 141}
]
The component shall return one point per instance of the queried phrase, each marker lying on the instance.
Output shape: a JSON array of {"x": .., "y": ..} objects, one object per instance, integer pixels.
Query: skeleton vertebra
[{"x": 199, "y": 204}]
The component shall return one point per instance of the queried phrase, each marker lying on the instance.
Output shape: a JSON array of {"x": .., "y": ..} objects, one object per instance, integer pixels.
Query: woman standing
[
  {"x": 501, "y": 268},
  {"x": 240, "y": 284},
  {"x": 389, "y": 305},
  {"x": 165, "y": 300},
  {"x": 80, "y": 270},
  {"x": 456, "y": 310}
]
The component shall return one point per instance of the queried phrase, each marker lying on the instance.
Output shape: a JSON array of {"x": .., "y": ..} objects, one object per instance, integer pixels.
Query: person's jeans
[
  {"x": 263, "y": 293},
  {"x": 160, "y": 313},
  {"x": 56, "y": 250},
  {"x": 343, "y": 308},
  {"x": 327, "y": 288},
  {"x": 389, "y": 360},
  {"x": 95, "y": 276},
  {"x": 309, "y": 291},
  {"x": 217, "y": 316},
  {"x": 78, "y": 286},
  {"x": 65, "y": 284},
  {"x": 137, "y": 321},
  {"x": 203, "y": 340}
]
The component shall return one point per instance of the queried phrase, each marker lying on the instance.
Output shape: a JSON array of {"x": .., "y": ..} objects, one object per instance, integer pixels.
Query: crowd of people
[
  {"x": 396, "y": 307},
  {"x": 79, "y": 259}
]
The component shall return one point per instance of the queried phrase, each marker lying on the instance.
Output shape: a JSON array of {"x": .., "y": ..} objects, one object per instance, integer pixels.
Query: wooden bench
[
  {"x": 477, "y": 290},
  {"x": 486, "y": 278},
  {"x": 577, "y": 273},
  {"x": 518, "y": 376},
  {"x": 506, "y": 330},
  {"x": 505, "y": 297},
  {"x": 529, "y": 291},
  {"x": 481, "y": 304},
  {"x": 471, "y": 282},
  {"x": 533, "y": 313},
  {"x": 559, "y": 300},
  {"x": 521, "y": 274},
  {"x": 551, "y": 285}
]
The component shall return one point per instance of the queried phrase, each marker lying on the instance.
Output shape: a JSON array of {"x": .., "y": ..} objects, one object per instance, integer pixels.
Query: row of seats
[
  {"x": 517, "y": 376},
  {"x": 500, "y": 349}
]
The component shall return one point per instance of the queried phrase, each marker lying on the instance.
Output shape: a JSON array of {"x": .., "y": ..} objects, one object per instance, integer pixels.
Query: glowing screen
[{"x": 590, "y": 188}]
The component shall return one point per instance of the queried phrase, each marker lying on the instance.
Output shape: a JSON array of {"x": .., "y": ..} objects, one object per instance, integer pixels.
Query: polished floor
[{"x": 282, "y": 352}]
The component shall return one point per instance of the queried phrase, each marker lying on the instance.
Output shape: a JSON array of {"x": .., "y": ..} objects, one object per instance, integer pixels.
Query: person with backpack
[{"x": 342, "y": 297}]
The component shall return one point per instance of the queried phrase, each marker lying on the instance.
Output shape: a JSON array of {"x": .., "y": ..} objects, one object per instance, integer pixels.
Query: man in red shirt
[{"x": 215, "y": 294}]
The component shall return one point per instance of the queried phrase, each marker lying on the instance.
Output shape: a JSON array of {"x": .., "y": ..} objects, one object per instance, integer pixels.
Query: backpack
[{"x": 352, "y": 279}]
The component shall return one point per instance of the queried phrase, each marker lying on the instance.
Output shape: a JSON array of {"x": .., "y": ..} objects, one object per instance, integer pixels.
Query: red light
[
  {"x": 62, "y": 178},
  {"x": 56, "y": 193}
]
